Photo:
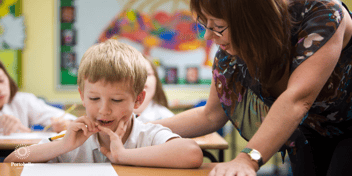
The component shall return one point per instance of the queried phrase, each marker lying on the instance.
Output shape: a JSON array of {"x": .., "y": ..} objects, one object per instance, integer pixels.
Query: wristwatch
[{"x": 254, "y": 154}]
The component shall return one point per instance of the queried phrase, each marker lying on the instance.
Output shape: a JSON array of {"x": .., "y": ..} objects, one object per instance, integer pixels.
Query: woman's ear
[{"x": 139, "y": 100}]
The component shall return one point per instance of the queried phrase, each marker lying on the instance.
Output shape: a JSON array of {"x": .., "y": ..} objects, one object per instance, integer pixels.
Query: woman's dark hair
[
  {"x": 13, "y": 85},
  {"x": 260, "y": 32}
]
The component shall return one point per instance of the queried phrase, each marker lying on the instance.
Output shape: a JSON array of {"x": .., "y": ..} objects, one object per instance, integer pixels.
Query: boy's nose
[{"x": 105, "y": 109}]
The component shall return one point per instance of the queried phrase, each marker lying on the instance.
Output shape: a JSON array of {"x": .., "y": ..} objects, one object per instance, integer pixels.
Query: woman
[
  {"x": 20, "y": 110},
  {"x": 285, "y": 61}
]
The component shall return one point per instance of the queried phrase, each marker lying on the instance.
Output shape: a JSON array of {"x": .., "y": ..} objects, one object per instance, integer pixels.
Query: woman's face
[
  {"x": 149, "y": 87},
  {"x": 4, "y": 89},
  {"x": 218, "y": 25}
]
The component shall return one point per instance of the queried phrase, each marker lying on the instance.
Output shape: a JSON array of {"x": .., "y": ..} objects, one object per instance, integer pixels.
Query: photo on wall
[
  {"x": 192, "y": 75},
  {"x": 171, "y": 75},
  {"x": 68, "y": 37},
  {"x": 68, "y": 60},
  {"x": 67, "y": 14}
]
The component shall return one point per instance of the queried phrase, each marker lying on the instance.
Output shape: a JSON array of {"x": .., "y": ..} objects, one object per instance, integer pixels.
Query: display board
[{"x": 163, "y": 30}]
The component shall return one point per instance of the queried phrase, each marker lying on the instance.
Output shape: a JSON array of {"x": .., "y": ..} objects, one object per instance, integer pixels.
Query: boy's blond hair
[{"x": 112, "y": 62}]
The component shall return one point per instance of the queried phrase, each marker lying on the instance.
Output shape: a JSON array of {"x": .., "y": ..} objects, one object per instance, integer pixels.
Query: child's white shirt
[
  {"x": 154, "y": 112},
  {"x": 31, "y": 110},
  {"x": 142, "y": 135}
]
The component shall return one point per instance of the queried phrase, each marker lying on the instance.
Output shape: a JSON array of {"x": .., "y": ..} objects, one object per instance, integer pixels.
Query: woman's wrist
[{"x": 253, "y": 163}]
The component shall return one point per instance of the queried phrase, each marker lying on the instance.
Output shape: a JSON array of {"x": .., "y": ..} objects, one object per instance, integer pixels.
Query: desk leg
[
  {"x": 209, "y": 155},
  {"x": 221, "y": 155}
]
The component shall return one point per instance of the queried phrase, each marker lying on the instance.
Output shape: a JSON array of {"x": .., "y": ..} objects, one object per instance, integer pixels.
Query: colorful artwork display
[
  {"x": 168, "y": 35},
  {"x": 177, "y": 32}
]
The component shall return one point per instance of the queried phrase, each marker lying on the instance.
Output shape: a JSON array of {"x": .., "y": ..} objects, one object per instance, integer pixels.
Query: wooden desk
[
  {"x": 7, "y": 170},
  {"x": 209, "y": 141},
  {"x": 212, "y": 141}
]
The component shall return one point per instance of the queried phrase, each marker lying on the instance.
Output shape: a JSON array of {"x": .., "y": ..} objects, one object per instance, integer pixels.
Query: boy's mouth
[{"x": 105, "y": 122}]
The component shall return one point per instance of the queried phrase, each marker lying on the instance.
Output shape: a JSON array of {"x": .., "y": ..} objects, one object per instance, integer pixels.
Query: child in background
[
  {"x": 111, "y": 79},
  {"x": 154, "y": 106},
  {"x": 19, "y": 110}
]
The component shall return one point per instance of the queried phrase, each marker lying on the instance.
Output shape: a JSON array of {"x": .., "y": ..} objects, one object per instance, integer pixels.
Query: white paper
[
  {"x": 68, "y": 169},
  {"x": 37, "y": 135}
]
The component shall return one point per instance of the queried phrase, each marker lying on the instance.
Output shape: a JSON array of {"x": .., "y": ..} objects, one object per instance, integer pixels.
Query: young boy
[{"x": 111, "y": 79}]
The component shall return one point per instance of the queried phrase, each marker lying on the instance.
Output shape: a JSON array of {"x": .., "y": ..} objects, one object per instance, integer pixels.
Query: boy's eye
[
  {"x": 114, "y": 100},
  {"x": 94, "y": 99}
]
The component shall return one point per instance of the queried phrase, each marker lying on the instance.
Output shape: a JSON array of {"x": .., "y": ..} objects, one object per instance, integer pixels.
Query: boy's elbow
[{"x": 194, "y": 155}]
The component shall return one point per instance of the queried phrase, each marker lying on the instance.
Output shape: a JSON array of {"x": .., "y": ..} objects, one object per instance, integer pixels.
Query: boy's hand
[
  {"x": 116, "y": 145},
  {"x": 11, "y": 124},
  {"x": 79, "y": 131},
  {"x": 59, "y": 124}
]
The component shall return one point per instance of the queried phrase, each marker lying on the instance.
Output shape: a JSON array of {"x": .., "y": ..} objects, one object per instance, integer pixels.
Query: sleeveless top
[{"x": 315, "y": 23}]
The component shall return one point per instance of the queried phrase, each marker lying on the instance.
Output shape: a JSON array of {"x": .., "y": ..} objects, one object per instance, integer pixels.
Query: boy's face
[{"x": 108, "y": 104}]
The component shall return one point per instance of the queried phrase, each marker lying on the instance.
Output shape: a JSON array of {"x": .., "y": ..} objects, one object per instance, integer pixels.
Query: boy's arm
[
  {"x": 176, "y": 153},
  {"x": 78, "y": 132},
  {"x": 38, "y": 153}
]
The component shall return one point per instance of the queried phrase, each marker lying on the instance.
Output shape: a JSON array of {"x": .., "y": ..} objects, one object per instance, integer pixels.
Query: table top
[
  {"x": 7, "y": 169},
  {"x": 209, "y": 141}
]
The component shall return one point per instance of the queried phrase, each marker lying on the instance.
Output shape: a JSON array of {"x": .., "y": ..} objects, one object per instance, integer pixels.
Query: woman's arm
[{"x": 198, "y": 121}]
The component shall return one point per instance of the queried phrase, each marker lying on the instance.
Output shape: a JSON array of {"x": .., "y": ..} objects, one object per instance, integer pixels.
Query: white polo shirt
[
  {"x": 32, "y": 110},
  {"x": 142, "y": 135},
  {"x": 154, "y": 112}
]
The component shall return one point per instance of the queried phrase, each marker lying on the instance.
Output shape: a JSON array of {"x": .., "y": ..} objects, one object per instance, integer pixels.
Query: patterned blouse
[{"x": 317, "y": 21}]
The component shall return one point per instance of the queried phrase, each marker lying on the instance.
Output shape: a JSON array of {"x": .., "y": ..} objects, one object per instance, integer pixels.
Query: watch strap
[{"x": 260, "y": 160}]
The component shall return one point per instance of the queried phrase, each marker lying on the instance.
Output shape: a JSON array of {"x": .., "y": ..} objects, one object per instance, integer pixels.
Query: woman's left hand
[{"x": 240, "y": 166}]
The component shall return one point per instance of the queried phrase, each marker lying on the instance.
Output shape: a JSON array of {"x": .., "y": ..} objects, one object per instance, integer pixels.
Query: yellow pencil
[
  {"x": 56, "y": 137},
  {"x": 67, "y": 111}
]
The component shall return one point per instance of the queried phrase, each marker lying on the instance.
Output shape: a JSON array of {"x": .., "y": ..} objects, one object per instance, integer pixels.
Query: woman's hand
[
  {"x": 240, "y": 166},
  {"x": 116, "y": 145},
  {"x": 59, "y": 124},
  {"x": 79, "y": 131},
  {"x": 11, "y": 124}
]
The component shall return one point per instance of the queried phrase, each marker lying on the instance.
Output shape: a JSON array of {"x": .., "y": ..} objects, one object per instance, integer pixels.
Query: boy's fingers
[
  {"x": 83, "y": 128},
  {"x": 121, "y": 129},
  {"x": 90, "y": 124},
  {"x": 112, "y": 135},
  {"x": 105, "y": 152}
]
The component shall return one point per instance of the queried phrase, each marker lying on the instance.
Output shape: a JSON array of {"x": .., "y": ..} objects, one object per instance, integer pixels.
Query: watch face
[{"x": 255, "y": 155}]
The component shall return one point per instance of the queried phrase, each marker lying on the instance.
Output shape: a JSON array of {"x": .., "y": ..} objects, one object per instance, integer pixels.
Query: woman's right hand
[
  {"x": 11, "y": 124},
  {"x": 79, "y": 131}
]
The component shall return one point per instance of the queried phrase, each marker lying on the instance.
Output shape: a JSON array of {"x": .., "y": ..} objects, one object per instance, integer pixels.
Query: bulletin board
[
  {"x": 12, "y": 38},
  {"x": 164, "y": 30}
]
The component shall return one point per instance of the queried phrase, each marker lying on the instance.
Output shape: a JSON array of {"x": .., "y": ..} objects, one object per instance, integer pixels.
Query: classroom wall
[
  {"x": 39, "y": 56},
  {"x": 348, "y": 3}
]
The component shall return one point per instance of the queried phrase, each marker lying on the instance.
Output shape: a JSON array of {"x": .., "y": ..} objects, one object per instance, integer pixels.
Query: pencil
[
  {"x": 67, "y": 111},
  {"x": 56, "y": 137}
]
